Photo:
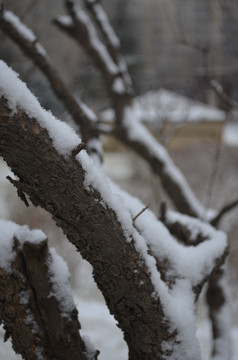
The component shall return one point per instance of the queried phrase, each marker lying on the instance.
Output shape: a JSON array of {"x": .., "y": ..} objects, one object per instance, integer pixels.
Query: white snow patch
[
  {"x": 18, "y": 95},
  {"x": 41, "y": 50},
  {"x": 107, "y": 28},
  {"x": 118, "y": 86},
  {"x": 95, "y": 42},
  {"x": 59, "y": 277},
  {"x": 7, "y": 255},
  {"x": 230, "y": 134},
  {"x": 24, "y": 234},
  {"x": 19, "y": 26},
  {"x": 23, "y": 30},
  {"x": 9, "y": 230},
  {"x": 90, "y": 349},
  {"x": 95, "y": 149},
  {"x": 89, "y": 113},
  {"x": 65, "y": 20}
]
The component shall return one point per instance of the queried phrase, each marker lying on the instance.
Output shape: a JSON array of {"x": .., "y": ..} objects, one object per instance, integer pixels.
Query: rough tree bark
[
  {"x": 56, "y": 184},
  {"x": 31, "y": 315},
  {"x": 173, "y": 186}
]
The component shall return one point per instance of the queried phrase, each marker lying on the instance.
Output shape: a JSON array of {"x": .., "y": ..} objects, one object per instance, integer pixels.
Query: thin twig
[
  {"x": 141, "y": 212},
  {"x": 221, "y": 93},
  {"x": 216, "y": 220}
]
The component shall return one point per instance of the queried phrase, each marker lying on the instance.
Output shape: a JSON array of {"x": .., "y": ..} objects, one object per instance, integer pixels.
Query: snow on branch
[
  {"x": 36, "y": 307},
  {"x": 183, "y": 268},
  {"x": 105, "y": 56},
  {"x": 222, "y": 212},
  {"x": 196, "y": 258},
  {"x": 222, "y": 94},
  {"x": 129, "y": 130},
  {"x": 69, "y": 190},
  {"x": 136, "y": 136},
  {"x": 112, "y": 43},
  {"x": 27, "y": 41},
  {"x": 85, "y": 27},
  {"x": 18, "y": 95},
  {"x": 104, "y": 24},
  {"x": 98, "y": 220}
]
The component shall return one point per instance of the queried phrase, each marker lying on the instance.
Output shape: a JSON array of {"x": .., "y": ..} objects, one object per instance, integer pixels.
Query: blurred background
[{"x": 173, "y": 48}]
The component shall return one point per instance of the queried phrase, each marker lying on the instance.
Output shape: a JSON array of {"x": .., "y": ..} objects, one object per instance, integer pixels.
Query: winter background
[{"x": 208, "y": 156}]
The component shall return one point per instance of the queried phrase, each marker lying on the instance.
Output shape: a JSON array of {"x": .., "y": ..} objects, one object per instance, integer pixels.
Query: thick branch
[
  {"x": 57, "y": 184},
  {"x": 31, "y": 313}
]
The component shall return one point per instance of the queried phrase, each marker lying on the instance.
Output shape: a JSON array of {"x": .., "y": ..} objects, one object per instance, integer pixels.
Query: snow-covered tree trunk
[{"x": 146, "y": 276}]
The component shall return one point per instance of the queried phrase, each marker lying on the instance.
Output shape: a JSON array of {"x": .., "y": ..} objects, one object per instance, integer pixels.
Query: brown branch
[
  {"x": 31, "y": 315},
  {"x": 221, "y": 93},
  {"x": 111, "y": 41},
  {"x": 84, "y": 32},
  {"x": 57, "y": 184},
  {"x": 141, "y": 212},
  {"x": 33, "y": 50},
  {"x": 228, "y": 207},
  {"x": 219, "y": 315}
]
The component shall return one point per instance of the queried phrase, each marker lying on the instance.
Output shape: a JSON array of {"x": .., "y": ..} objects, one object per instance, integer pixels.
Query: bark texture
[
  {"x": 56, "y": 184},
  {"x": 31, "y": 316}
]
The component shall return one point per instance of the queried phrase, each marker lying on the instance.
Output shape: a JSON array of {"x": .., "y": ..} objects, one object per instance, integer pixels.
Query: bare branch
[
  {"x": 57, "y": 184},
  {"x": 112, "y": 41},
  {"x": 141, "y": 212},
  {"x": 33, "y": 49},
  {"x": 221, "y": 93},
  {"x": 228, "y": 207},
  {"x": 220, "y": 316}
]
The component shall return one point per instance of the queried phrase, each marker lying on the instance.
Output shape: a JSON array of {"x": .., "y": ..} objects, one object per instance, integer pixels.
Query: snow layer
[
  {"x": 138, "y": 132},
  {"x": 18, "y": 95},
  {"x": 104, "y": 21},
  {"x": 188, "y": 265},
  {"x": 23, "y": 30},
  {"x": 90, "y": 349},
  {"x": 9, "y": 230},
  {"x": 95, "y": 42},
  {"x": 59, "y": 277},
  {"x": 118, "y": 86},
  {"x": 7, "y": 255}
]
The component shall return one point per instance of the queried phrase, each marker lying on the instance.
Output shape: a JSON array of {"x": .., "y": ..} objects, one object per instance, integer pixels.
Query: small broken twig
[{"x": 141, "y": 212}]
